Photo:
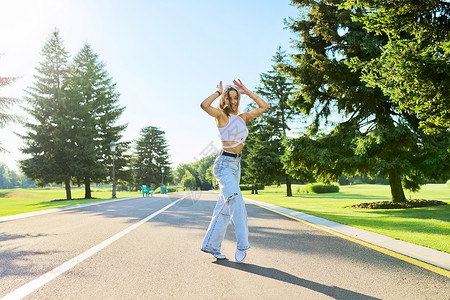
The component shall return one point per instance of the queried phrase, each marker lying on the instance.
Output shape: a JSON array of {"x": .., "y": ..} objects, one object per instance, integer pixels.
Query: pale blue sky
[{"x": 165, "y": 56}]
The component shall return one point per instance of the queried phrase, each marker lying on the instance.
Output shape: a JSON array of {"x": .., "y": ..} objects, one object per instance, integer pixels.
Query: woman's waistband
[{"x": 230, "y": 154}]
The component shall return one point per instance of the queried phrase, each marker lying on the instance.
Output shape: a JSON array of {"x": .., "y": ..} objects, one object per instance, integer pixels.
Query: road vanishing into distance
[{"x": 149, "y": 248}]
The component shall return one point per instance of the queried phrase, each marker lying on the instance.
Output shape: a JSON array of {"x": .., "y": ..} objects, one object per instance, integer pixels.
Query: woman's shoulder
[
  {"x": 222, "y": 119},
  {"x": 222, "y": 115},
  {"x": 243, "y": 116}
]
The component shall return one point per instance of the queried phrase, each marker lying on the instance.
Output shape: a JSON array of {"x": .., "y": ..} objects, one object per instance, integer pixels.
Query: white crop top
[{"x": 235, "y": 131}]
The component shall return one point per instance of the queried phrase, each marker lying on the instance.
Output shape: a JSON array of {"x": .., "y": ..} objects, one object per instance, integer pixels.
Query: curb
[{"x": 430, "y": 256}]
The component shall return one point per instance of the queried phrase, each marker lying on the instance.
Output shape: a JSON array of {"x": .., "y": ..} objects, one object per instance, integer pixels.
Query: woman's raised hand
[
  {"x": 220, "y": 87},
  {"x": 241, "y": 87}
]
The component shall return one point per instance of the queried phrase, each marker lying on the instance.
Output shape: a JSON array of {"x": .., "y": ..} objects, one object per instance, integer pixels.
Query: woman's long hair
[{"x": 226, "y": 95}]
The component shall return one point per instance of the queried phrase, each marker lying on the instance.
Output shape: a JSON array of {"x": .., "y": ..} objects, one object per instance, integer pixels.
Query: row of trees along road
[
  {"x": 74, "y": 108},
  {"x": 198, "y": 174},
  {"x": 386, "y": 72},
  {"x": 10, "y": 179}
]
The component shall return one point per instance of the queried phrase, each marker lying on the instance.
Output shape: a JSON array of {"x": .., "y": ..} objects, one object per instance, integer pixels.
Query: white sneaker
[
  {"x": 240, "y": 256},
  {"x": 220, "y": 256}
]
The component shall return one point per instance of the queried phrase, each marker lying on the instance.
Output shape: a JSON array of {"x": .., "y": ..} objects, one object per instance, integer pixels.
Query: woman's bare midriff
[{"x": 236, "y": 149}]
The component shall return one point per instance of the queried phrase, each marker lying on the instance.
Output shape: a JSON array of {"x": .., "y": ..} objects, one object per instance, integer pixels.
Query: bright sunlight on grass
[{"x": 16, "y": 201}]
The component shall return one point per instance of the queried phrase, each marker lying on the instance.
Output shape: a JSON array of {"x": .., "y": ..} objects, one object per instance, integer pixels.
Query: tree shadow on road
[
  {"x": 332, "y": 291},
  {"x": 15, "y": 262}
]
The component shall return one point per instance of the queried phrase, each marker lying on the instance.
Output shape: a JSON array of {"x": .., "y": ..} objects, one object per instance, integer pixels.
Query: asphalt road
[{"x": 131, "y": 249}]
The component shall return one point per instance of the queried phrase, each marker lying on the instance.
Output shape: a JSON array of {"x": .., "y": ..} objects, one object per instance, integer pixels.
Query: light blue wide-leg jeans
[{"x": 230, "y": 205}]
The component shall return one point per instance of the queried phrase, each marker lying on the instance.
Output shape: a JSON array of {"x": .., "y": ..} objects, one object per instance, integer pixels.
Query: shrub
[
  {"x": 170, "y": 189},
  {"x": 319, "y": 188}
]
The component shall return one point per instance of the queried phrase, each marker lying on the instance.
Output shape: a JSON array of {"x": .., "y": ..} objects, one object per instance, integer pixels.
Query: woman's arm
[
  {"x": 206, "y": 104},
  {"x": 262, "y": 105}
]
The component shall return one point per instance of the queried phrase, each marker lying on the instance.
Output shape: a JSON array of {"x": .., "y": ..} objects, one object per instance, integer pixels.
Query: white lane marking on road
[{"x": 33, "y": 285}]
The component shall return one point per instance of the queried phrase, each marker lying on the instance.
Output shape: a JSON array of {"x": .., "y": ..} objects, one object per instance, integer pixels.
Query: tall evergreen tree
[
  {"x": 413, "y": 69},
  {"x": 152, "y": 155},
  {"x": 94, "y": 110},
  {"x": 48, "y": 139},
  {"x": 374, "y": 138},
  {"x": 265, "y": 146},
  {"x": 5, "y": 104},
  {"x": 261, "y": 163}
]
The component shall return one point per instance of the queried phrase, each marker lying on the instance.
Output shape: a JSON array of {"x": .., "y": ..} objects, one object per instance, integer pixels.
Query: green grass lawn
[
  {"x": 427, "y": 226},
  {"x": 15, "y": 201}
]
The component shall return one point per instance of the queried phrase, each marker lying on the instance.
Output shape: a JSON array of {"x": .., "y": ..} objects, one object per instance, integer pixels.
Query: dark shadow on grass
[
  {"x": 62, "y": 202},
  {"x": 441, "y": 212},
  {"x": 331, "y": 291},
  {"x": 388, "y": 225},
  {"x": 75, "y": 199}
]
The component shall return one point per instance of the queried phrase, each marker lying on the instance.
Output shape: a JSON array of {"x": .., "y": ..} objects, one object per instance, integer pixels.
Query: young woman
[{"x": 227, "y": 167}]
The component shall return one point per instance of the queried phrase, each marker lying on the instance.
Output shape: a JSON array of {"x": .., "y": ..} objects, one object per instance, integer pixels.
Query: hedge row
[{"x": 318, "y": 188}]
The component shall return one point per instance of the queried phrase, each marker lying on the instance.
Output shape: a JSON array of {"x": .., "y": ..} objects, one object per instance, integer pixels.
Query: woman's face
[{"x": 233, "y": 100}]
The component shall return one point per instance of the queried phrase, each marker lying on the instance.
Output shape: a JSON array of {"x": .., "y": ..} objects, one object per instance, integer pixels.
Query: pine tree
[
  {"x": 374, "y": 138},
  {"x": 152, "y": 155},
  {"x": 413, "y": 69},
  {"x": 261, "y": 164},
  {"x": 93, "y": 101},
  {"x": 264, "y": 148},
  {"x": 5, "y": 104},
  {"x": 48, "y": 139}
]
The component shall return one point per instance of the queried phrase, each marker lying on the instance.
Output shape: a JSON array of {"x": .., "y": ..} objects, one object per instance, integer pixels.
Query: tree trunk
[
  {"x": 87, "y": 188},
  {"x": 68, "y": 192},
  {"x": 254, "y": 189},
  {"x": 396, "y": 187},
  {"x": 288, "y": 187}
]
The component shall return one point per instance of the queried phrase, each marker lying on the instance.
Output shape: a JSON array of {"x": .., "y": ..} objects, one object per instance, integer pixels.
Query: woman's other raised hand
[
  {"x": 241, "y": 87},
  {"x": 220, "y": 87}
]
